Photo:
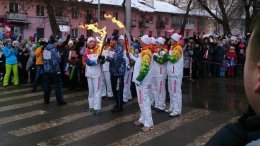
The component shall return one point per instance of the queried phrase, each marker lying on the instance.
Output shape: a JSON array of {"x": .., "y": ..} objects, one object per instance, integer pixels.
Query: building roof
[{"x": 159, "y": 6}]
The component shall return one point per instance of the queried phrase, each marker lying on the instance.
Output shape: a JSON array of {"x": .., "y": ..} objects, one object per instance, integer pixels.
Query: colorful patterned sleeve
[
  {"x": 175, "y": 56},
  {"x": 146, "y": 60},
  {"x": 88, "y": 61}
]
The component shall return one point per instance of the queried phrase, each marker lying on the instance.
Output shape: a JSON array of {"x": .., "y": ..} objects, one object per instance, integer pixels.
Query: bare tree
[{"x": 185, "y": 19}]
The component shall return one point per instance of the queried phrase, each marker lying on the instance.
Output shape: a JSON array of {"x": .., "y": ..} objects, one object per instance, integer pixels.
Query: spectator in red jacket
[{"x": 232, "y": 59}]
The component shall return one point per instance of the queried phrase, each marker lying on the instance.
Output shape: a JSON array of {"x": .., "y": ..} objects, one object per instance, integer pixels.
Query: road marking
[
  {"x": 20, "y": 96},
  {"x": 57, "y": 122},
  {"x": 14, "y": 91},
  {"x": 203, "y": 139},
  {"x": 31, "y": 103},
  {"x": 83, "y": 133},
  {"x": 142, "y": 137},
  {"x": 13, "y": 87},
  {"x": 21, "y": 116}
]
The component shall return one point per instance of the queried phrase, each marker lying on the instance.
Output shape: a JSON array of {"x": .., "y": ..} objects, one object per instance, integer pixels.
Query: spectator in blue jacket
[
  {"x": 117, "y": 68},
  {"x": 51, "y": 61},
  {"x": 11, "y": 63}
]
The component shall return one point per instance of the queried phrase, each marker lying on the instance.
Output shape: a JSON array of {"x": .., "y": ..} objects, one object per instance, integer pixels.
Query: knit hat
[
  {"x": 160, "y": 40},
  {"x": 122, "y": 37},
  {"x": 146, "y": 39},
  {"x": 70, "y": 42},
  {"x": 15, "y": 43},
  {"x": 153, "y": 40},
  {"x": 176, "y": 37},
  {"x": 91, "y": 39},
  {"x": 114, "y": 36}
]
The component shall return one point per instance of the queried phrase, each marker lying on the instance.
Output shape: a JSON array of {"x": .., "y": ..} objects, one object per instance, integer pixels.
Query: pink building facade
[{"x": 31, "y": 19}]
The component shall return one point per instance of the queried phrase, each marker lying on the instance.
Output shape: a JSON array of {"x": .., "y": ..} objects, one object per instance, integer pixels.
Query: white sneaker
[
  {"x": 174, "y": 114},
  {"x": 168, "y": 111}
]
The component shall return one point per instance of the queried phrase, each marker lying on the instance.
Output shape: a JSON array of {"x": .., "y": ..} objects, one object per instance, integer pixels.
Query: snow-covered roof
[{"x": 159, "y": 6}]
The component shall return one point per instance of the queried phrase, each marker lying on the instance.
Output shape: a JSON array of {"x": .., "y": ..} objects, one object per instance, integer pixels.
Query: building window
[
  {"x": 102, "y": 15},
  {"x": 39, "y": 10},
  {"x": 166, "y": 21},
  {"x": 40, "y": 33},
  {"x": 14, "y": 7},
  {"x": 74, "y": 14},
  {"x": 158, "y": 33},
  {"x": 150, "y": 32},
  {"x": 74, "y": 32},
  {"x": 116, "y": 15},
  {"x": 141, "y": 33},
  {"x": 151, "y": 19},
  {"x": 191, "y": 21}
]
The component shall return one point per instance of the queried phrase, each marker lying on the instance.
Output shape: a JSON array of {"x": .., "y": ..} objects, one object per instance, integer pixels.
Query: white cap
[
  {"x": 176, "y": 37},
  {"x": 15, "y": 43},
  {"x": 70, "y": 42},
  {"x": 153, "y": 40},
  {"x": 160, "y": 40},
  {"x": 91, "y": 39},
  {"x": 122, "y": 37},
  {"x": 146, "y": 39}
]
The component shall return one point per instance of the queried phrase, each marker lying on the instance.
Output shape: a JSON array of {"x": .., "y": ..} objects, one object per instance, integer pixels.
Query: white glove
[
  {"x": 156, "y": 54},
  {"x": 137, "y": 83},
  {"x": 112, "y": 53},
  {"x": 162, "y": 53}
]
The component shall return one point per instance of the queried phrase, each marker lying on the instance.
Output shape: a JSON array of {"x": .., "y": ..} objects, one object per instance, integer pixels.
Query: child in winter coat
[{"x": 232, "y": 59}]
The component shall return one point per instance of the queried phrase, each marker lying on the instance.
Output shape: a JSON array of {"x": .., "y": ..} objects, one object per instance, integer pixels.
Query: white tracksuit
[
  {"x": 143, "y": 94},
  {"x": 159, "y": 74},
  {"x": 93, "y": 74},
  {"x": 127, "y": 95},
  {"x": 106, "y": 78},
  {"x": 175, "y": 74}
]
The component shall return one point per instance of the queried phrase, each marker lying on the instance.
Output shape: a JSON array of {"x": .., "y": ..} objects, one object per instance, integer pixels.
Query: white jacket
[
  {"x": 106, "y": 64},
  {"x": 159, "y": 70},
  {"x": 95, "y": 70},
  {"x": 137, "y": 68}
]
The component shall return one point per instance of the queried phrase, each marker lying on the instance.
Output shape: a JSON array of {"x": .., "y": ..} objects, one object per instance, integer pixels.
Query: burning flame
[
  {"x": 94, "y": 27},
  {"x": 118, "y": 23}
]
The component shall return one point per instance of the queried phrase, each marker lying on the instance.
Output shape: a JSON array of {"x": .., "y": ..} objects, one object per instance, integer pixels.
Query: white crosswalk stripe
[
  {"x": 14, "y": 91},
  {"x": 203, "y": 139},
  {"x": 21, "y": 116},
  {"x": 162, "y": 128},
  {"x": 83, "y": 133},
  {"x": 31, "y": 103}
]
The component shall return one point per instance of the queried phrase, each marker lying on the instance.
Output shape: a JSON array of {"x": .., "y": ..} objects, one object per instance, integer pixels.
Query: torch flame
[
  {"x": 118, "y": 23},
  {"x": 94, "y": 27}
]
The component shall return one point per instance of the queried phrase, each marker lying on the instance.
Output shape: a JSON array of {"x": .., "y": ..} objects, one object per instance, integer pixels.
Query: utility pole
[
  {"x": 128, "y": 18},
  {"x": 98, "y": 12}
]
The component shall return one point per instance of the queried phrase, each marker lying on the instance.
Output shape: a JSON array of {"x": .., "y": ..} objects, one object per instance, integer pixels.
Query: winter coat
[
  {"x": 38, "y": 54},
  {"x": 159, "y": 63},
  {"x": 51, "y": 59},
  {"x": 187, "y": 54},
  {"x": 232, "y": 58},
  {"x": 219, "y": 54},
  {"x": 246, "y": 130},
  {"x": 117, "y": 66},
  {"x": 10, "y": 55}
]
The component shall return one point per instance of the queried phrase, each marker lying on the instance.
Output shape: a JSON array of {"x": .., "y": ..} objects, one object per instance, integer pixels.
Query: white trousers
[
  {"x": 159, "y": 92},
  {"x": 94, "y": 97},
  {"x": 174, "y": 87},
  {"x": 106, "y": 84},
  {"x": 127, "y": 95},
  {"x": 143, "y": 92}
]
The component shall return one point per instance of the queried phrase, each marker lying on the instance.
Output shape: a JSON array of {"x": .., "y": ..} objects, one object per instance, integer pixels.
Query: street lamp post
[{"x": 98, "y": 12}]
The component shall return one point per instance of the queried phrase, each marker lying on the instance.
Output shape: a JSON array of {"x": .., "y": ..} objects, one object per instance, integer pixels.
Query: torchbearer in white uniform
[
  {"x": 142, "y": 78},
  {"x": 93, "y": 73},
  {"x": 106, "y": 78},
  {"x": 175, "y": 75},
  {"x": 152, "y": 45},
  {"x": 159, "y": 74},
  {"x": 129, "y": 71}
]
